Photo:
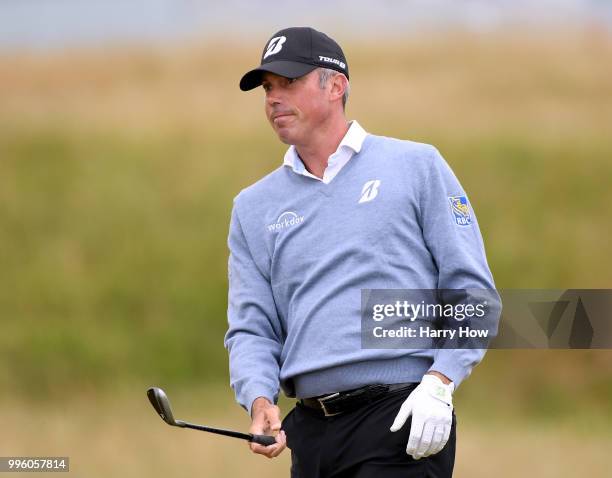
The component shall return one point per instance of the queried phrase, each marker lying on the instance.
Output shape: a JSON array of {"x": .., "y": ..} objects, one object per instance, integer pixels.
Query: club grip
[{"x": 264, "y": 440}]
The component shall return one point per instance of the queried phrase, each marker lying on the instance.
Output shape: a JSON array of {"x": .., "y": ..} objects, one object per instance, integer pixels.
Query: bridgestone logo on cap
[
  {"x": 341, "y": 64},
  {"x": 275, "y": 45}
]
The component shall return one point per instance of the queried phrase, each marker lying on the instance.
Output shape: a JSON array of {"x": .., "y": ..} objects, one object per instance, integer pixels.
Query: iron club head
[{"x": 161, "y": 404}]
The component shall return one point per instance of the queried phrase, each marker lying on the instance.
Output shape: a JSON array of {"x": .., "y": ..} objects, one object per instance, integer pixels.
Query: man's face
[{"x": 295, "y": 108}]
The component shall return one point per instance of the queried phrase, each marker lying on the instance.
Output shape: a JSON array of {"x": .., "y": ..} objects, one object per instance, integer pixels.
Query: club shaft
[
  {"x": 264, "y": 440},
  {"x": 218, "y": 431}
]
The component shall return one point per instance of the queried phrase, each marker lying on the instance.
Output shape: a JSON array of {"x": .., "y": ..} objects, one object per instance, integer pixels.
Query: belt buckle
[{"x": 322, "y": 403}]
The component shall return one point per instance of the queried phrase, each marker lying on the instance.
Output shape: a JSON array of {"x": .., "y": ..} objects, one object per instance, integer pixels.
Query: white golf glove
[{"x": 431, "y": 407}]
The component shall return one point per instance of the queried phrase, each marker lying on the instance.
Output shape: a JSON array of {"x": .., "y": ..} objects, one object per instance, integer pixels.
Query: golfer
[{"x": 347, "y": 210}]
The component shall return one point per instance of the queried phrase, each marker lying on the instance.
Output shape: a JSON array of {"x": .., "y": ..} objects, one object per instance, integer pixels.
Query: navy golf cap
[{"x": 294, "y": 52}]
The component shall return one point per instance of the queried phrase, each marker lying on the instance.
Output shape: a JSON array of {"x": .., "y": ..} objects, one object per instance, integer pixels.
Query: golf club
[{"x": 161, "y": 404}]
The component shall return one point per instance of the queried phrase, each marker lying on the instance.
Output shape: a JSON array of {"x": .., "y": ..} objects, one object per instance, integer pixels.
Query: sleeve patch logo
[{"x": 461, "y": 210}]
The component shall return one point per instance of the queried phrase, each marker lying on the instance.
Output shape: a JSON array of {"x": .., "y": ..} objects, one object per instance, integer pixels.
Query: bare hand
[{"x": 266, "y": 421}]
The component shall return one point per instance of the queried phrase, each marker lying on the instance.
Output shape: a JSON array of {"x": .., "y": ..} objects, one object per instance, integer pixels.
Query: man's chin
[
  {"x": 286, "y": 141},
  {"x": 285, "y": 136}
]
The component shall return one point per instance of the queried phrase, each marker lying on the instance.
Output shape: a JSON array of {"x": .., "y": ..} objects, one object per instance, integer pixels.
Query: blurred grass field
[
  {"x": 117, "y": 170},
  {"x": 115, "y": 435}
]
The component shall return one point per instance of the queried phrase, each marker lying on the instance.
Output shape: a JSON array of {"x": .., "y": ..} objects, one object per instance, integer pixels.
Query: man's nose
[{"x": 273, "y": 97}]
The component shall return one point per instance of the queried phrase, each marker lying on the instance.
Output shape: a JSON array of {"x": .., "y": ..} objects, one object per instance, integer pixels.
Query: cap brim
[{"x": 288, "y": 69}]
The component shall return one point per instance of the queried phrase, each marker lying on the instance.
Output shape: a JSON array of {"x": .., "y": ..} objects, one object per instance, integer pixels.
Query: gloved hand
[{"x": 431, "y": 407}]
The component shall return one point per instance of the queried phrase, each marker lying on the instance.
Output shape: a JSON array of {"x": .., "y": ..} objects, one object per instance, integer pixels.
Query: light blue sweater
[{"x": 302, "y": 250}]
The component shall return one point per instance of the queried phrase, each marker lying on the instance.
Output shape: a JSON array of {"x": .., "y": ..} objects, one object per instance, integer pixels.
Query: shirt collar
[{"x": 353, "y": 139}]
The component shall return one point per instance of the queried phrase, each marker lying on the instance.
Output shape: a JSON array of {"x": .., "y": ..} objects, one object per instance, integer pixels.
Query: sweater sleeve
[
  {"x": 253, "y": 336},
  {"x": 452, "y": 235}
]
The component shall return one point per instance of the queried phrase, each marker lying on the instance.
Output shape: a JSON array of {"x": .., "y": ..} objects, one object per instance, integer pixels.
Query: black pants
[{"x": 358, "y": 444}]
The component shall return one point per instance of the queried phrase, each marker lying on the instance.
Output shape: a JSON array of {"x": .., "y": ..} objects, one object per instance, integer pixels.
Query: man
[{"x": 346, "y": 211}]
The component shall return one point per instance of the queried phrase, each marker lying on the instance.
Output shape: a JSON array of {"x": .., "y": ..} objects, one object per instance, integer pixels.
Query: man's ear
[{"x": 339, "y": 84}]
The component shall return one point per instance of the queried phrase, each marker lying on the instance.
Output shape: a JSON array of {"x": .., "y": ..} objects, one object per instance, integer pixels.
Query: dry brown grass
[
  {"x": 544, "y": 85},
  {"x": 121, "y": 436}
]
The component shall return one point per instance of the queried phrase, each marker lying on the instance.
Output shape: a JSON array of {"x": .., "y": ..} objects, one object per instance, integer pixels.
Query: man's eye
[{"x": 292, "y": 80}]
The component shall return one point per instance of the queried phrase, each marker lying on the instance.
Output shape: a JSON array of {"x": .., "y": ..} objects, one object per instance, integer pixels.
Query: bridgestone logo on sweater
[
  {"x": 285, "y": 220},
  {"x": 369, "y": 190}
]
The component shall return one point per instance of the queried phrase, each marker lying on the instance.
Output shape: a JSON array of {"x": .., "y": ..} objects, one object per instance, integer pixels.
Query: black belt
[{"x": 341, "y": 402}]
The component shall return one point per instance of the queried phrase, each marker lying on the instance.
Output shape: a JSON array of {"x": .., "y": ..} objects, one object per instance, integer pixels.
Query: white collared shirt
[{"x": 350, "y": 144}]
